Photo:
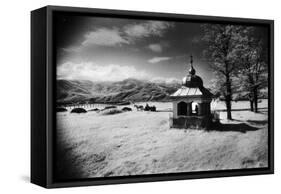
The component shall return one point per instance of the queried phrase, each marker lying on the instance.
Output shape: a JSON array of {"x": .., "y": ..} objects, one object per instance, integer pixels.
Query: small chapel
[{"x": 191, "y": 103}]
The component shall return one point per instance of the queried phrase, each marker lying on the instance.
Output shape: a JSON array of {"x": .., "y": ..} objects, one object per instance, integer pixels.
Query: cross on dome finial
[
  {"x": 191, "y": 70},
  {"x": 191, "y": 80}
]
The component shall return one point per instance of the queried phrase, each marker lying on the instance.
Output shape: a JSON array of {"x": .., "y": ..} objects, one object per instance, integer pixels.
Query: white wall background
[{"x": 15, "y": 94}]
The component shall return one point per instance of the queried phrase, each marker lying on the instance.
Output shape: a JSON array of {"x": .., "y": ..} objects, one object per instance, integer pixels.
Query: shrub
[
  {"x": 109, "y": 107},
  {"x": 78, "y": 110},
  {"x": 111, "y": 111},
  {"x": 126, "y": 109},
  {"x": 95, "y": 109}
]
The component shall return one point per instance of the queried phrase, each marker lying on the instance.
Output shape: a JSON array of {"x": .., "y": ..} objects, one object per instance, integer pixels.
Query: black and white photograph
[{"x": 139, "y": 96}]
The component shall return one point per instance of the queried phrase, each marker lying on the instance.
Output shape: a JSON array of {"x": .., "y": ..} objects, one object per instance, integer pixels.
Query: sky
[{"x": 114, "y": 49}]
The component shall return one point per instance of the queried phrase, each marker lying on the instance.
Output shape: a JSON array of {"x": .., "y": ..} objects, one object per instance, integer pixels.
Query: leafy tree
[
  {"x": 253, "y": 63},
  {"x": 222, "y": 53}
]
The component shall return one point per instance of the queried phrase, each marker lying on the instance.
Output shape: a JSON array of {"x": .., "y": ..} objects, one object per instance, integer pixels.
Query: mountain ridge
[{"x": 77, "y": 91}]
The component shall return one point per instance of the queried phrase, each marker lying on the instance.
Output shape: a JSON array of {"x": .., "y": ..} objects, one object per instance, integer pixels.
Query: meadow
[{"x": 139, "y": 142}]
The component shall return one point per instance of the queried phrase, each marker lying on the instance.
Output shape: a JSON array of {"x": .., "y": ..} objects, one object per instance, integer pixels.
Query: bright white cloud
[
  {"x": 158, "y": 59},
  {"x": 146, "y": 29},
  {"x": 123, "y": 35},
  {"x": 155, "y": 48},
  {"x": 104, "y": 37},
  {"x": 96, "y": 73}
]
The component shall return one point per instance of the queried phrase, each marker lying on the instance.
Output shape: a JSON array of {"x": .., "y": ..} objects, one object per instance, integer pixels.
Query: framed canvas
[{"x": 125, "y": 96}]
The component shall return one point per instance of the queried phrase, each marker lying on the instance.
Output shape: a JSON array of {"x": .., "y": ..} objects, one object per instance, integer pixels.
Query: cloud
[
  {"x": 104, "y": 37},
  {"x": 158, "y": 59},
  {"x": 155, "y": 48},
  {"x": 127, "y": 34},
  {"x": 146, "y": 29},
  {"x": 72, "y": 49},
  {"x": 96, "y": 73}
]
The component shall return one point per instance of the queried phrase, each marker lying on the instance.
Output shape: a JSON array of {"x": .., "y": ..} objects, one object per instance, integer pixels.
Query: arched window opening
[
  {"x": 182, "y": 108},
  {"x": 195, "y": 108}
]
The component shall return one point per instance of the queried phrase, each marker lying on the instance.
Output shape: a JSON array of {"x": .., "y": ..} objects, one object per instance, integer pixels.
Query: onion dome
[{"x": 192, "y": 80}]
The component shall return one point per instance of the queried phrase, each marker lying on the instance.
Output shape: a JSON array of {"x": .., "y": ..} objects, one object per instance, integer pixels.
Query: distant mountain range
[
  {"x": 73, "y": 91},
  {"x": 128, "y": 90}
]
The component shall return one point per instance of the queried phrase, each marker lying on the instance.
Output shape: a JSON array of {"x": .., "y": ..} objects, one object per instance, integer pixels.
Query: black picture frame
[{"x": 43, "y": 91}]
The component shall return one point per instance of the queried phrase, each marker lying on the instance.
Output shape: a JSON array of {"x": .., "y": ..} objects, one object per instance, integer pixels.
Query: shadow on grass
[
  {"x": 257, "y": 122},
  {"x": 234, "y": 127},
  {"x": 263, "y": 112},
  {"x": 244, "y": 109}
]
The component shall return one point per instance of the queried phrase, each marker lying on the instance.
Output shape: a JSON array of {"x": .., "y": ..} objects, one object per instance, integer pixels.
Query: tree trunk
[
  {"x": 255, "y": 94},
  {"x": 228, "y": 97},
  {"x": 228, "y": 108},
  {"x": 251, "y": 105},
  {"x": 251, "y": 100},
  {"x": 251, "y": 94}
]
